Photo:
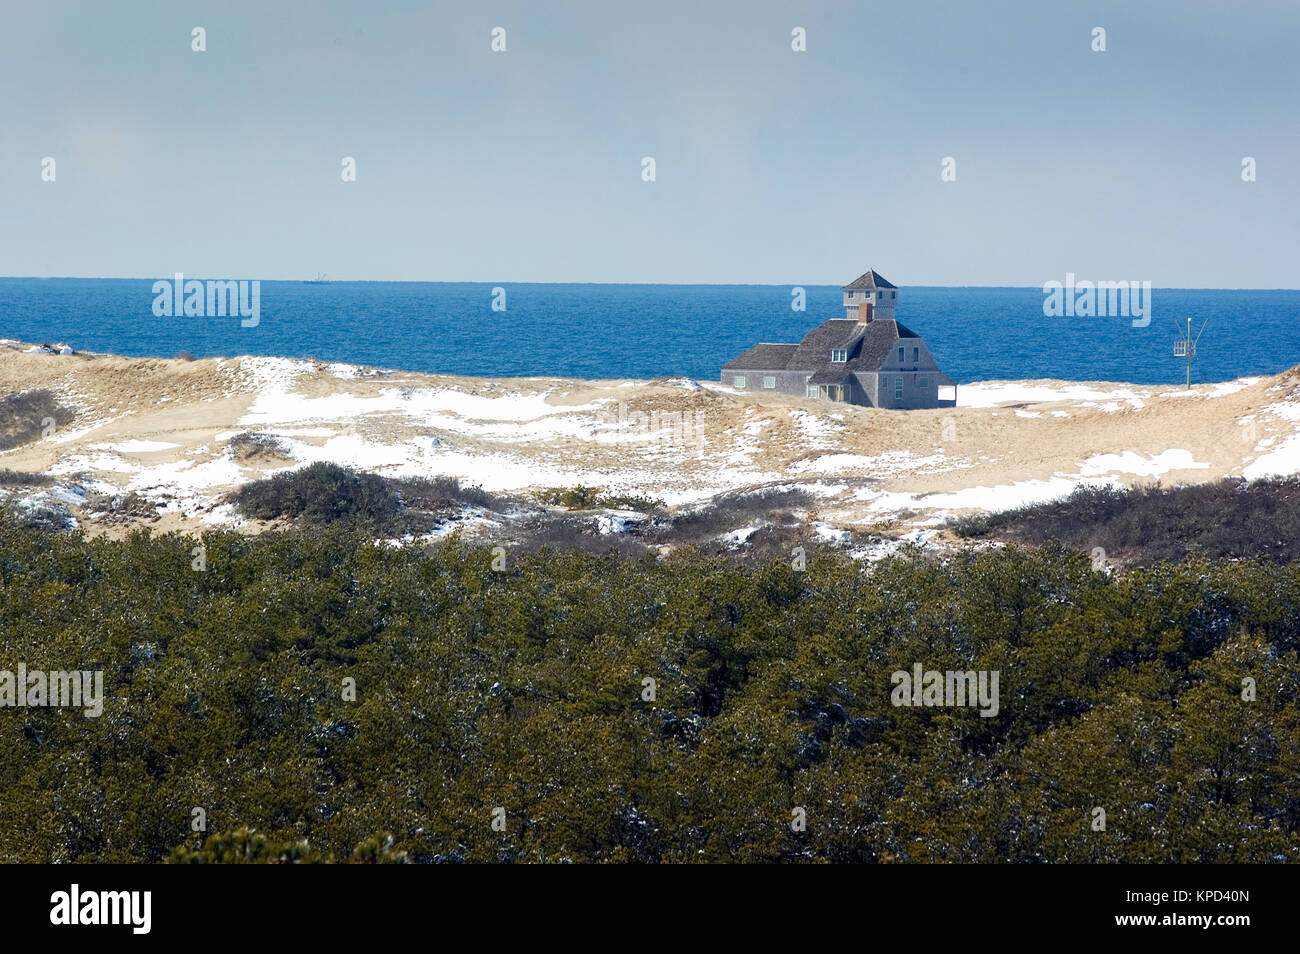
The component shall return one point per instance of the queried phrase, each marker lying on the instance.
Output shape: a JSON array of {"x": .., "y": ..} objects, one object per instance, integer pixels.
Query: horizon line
[{"x": 427, "y": 281}]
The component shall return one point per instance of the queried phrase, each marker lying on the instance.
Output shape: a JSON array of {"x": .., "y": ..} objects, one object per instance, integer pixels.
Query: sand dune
[{"x": 162, "y": 429}]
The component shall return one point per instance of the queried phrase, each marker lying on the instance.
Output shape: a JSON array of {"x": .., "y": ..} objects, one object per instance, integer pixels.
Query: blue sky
[{"x": 772, "y": 166}]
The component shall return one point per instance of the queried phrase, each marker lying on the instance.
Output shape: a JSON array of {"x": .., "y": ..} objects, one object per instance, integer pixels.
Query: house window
[
  {"x": 738, "y": 381},
  {"x": 812, "y": 390},
  {"x": 839, "y": 354},
  {"x": 923, "y": 382},
  {"x": 898, "y": 389},
  {"x": 893, "y": 294},
  {"x": 900, "y": 355},
  {"x": 769, "y": 380},
  {"x": 916, "y": 355},
  {"x": 850, "y": 294}
]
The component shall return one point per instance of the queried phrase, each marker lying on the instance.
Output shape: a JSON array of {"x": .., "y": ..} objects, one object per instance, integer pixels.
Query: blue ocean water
[{"x": 646, "y": 331}]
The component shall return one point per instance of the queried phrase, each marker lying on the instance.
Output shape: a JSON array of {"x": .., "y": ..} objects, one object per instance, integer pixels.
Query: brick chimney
[{"x": 864, "y": 312}]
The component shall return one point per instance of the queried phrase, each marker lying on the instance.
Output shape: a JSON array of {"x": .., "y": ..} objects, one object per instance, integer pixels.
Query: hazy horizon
[
  {"x": 508, "y": 282},
  {"x": 772, "y": 166}
]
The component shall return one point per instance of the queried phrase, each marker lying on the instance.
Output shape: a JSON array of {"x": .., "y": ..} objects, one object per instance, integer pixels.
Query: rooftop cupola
[{"x": 870, "y": 288}]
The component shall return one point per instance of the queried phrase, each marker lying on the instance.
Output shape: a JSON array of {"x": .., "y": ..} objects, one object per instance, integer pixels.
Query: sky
[{"x": 772, "y": 166}]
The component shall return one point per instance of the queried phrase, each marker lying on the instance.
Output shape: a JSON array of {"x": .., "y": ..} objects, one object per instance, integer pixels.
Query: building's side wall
[
  {"x": 867, "y": 384},
  {"x": 787, "y": 382},
  {"x": 916, "y": 357},
  {"x": 916, "y": 363},
  {"x": 856, "y": 392},
  {"x": 914, "y": 396}
]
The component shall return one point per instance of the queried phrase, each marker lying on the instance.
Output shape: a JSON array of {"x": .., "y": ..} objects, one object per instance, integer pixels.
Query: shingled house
[{"x": 865, "y": 358}]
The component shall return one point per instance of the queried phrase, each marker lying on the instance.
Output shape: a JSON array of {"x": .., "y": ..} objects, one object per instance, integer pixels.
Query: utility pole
[{"x": 1186, "y": 348}]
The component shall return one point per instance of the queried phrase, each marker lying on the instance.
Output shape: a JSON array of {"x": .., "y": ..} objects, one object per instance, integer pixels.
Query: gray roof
[
  {"x": 870, "y": 279},
  {"x": 763, "y": 357},
  {"x": 868, "y": 346},
  {"x": 832, "y": 375}
]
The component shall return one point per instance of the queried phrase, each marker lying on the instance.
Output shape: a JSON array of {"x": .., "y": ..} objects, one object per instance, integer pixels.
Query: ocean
[{"x": 648, "y": 331}]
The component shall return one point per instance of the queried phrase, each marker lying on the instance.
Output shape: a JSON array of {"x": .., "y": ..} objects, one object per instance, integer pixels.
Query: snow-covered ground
[{"x": 167, "y": 436}]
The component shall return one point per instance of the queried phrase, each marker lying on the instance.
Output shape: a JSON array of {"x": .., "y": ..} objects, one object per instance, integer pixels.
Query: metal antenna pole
[{"x": 1185, "y": 347}]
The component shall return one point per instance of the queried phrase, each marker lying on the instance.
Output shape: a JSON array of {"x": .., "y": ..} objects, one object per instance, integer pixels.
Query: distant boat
[{"x": 320, "y": 279}]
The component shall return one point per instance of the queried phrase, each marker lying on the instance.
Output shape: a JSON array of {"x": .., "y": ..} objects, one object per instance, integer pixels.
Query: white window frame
[
  {"x": 839, "y": 355},
  {"x": 769, "y": 381},
  {"x": 898, "y": 388},
  {"x": 923, "y": 382},
  {"x": 737, "y": 380}
]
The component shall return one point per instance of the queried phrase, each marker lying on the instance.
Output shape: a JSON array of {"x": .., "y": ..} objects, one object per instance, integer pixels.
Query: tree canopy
[{"x": 312, "y": 695}]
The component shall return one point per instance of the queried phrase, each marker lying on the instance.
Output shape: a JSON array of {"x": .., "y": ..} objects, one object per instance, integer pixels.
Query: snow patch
[{"x": 1132, "y": 463}]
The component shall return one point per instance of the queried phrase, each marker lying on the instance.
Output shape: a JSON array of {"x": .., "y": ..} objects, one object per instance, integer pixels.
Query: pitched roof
[
  {"x": 877, "y": 342},
  {"x": 868, "y": 346},
  {"x": 834, "y": 375},
  {"x": 870, "y": 279},
  {"x": 763, "y": 357},
  {"x": 815, "y": 349}
]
